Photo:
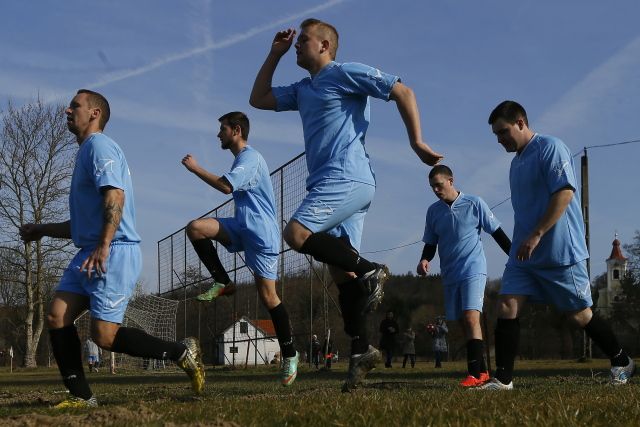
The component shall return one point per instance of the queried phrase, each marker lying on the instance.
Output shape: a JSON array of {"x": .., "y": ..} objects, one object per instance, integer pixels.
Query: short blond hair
[{"x": 326, "y": 31}]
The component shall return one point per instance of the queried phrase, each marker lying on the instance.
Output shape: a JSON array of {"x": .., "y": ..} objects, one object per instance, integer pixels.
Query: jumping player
[
  {"x": 453, "y": 226},
  {"x": 103, "y": 274},
  {"x": 254, "y": 230},
  {"x": 547, "y": 261},
  {"x": 334, "y": 107}
]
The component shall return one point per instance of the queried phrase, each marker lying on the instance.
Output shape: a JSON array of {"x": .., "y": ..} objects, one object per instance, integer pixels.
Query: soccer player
[
  {"x": 103, "y": 274},
  {"x": 254, "y": 230},
  {"x": 453, "y": 225},
  {"x": 547, "y": 261},
  {"x": 334, "y": 107}
]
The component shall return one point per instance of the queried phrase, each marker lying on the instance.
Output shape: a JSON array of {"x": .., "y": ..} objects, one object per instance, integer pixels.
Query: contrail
[{"x": 236, "y": 38}]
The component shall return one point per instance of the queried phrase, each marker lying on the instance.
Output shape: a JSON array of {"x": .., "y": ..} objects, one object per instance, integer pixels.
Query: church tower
[{"x": 616, "y": 269}]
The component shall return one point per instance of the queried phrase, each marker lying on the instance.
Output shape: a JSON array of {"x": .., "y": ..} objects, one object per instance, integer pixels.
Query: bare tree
[{"x": 36, "y": 163}]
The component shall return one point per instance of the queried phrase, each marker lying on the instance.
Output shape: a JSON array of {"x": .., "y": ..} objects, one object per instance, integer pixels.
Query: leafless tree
[{"x": 36, "y": 163}]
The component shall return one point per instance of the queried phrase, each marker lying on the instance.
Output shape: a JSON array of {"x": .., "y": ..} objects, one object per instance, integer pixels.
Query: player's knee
[
  {"x": 580, "y": 318},
  {"x": 102, "y": 340},
  {"x": 54, "y": 321},
  {"x": 471, "y": 319},
  {"x": 507, "y": 308},
  {"x": 193, "y": 230},
  {"x": 294, "y": 239},
  {"x": 270, "y": 299}
]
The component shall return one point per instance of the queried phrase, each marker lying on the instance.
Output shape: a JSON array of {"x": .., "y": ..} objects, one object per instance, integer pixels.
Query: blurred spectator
[
  {"x": 439, "y": 333},
  {"x": 409, "y": 347},
  {"x": 388, "y": 330}
]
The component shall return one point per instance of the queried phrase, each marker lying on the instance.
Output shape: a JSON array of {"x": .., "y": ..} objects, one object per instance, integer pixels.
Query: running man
[
  {"x": 453, "y": 226},
  {"x": 334, "y": 107},
  {"x": 103, "y": 274},
  {"x": 254, "y": 230},
  {"x": 548, "y": 258}
]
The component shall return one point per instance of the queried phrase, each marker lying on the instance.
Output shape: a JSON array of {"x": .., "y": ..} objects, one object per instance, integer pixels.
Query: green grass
[{"x": 558, "y": 393}]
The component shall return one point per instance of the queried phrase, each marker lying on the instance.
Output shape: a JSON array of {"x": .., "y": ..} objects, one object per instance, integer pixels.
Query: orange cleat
[{"x": 472, "y": 381}]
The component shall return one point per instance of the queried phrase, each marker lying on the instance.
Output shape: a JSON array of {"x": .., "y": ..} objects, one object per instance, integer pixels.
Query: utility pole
[{"x": 584, "y": 199}]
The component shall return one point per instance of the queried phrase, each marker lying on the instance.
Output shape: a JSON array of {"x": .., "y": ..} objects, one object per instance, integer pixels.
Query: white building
[{"x": 246, "y": 341}]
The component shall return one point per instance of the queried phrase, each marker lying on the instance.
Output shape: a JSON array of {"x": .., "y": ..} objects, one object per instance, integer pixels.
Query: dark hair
[
  {"x": 440, "y": 170},
  {"x": 510, "y": 111},
  {"x": 237, "y": 118},
  {"x": 327, "y": 31},
  {"x": 97, "y": 100}
]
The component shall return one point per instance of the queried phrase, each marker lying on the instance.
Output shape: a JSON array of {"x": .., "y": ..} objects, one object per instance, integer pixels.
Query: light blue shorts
[
  {"x": 110, "y": 292},
  {"x": 337, "y": 207},
  {"x": 260, "y": 256},
  {"x": 566, "y": 287},
  {"x": 463, "y": 295},
  {"x": 93, "y": 359}
]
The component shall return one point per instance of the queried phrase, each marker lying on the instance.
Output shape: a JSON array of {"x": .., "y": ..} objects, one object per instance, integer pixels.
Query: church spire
[{"x": 616, "y": 252}]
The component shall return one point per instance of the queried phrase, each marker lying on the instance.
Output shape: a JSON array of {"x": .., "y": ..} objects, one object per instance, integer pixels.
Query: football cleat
[
  {"x": 373, "y": 283},
  {"x": 216, "y": 290},
  {"x": 289, "y": 369},
  {"x": 77, "y": 403},
  {"x": 359, "y": 367},
  {"x": 622, "y": 374},
  {"x": 472, "y": 381},
  {"x": 494, "y": 384},
  {"x": 191, "y": 363}
]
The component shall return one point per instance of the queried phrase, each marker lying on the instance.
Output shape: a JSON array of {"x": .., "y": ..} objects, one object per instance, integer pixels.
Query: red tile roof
[
  {"x": 266, "y": 325},
  {"x": 616, "y": 252}
]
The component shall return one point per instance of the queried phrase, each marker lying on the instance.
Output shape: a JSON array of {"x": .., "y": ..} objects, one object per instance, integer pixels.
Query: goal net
[{"x": 154, "y": 315}]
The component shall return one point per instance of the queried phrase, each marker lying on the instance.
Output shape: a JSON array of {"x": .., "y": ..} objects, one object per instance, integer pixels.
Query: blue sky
[{"x": 170, "y": 68}]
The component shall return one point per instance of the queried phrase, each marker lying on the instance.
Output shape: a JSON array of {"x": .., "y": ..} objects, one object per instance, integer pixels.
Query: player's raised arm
[
  {"x": 261, "y": 95},
  {"x": 220, "y": 183},
  {"x": 408, "y": 107}
]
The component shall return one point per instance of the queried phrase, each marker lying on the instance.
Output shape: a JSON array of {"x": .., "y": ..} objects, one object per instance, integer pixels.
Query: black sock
[
  {"x": 138, "y": 343},
  {"x": 67, "y": 351},
  {"x": 507, "y": 343},
  {"x": 209, "y": 257},
  {"x": 475, "y": 359},
  {"x": 601, "y": 333},
  {"x": 352, "y": 300},
  {"x": 281, "y": 323},
  {"x": 334, "y": 251}
]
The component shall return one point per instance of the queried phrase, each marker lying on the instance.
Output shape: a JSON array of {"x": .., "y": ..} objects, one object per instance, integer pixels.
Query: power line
[
  {"x": 613, "y": 144},
  {"x": 392, "y": 249},
  {"x": 633, "y": 141}
]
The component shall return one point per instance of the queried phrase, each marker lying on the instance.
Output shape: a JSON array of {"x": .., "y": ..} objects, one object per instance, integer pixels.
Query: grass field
[{"x": 558, "y": 393}]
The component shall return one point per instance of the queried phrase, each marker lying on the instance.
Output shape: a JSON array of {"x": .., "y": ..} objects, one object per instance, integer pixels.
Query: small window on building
[
  {"x": 244, "y": 327},
  {"x": 616, "y": 274}
]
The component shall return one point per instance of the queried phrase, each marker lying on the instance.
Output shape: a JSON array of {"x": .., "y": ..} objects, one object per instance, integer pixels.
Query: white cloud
[
  {"x": 209, "y": 46},
  {"x": 618, "y": 74}
]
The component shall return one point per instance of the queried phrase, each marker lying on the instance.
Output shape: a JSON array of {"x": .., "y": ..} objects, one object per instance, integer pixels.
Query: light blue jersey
[
  {"x": 544, "y": 167},
  {"x": 99, "y": 163},
  {"x": 334, "y": 107},
  {"x": 254, "y": 199},
  {"x": 456, "y": 231}
]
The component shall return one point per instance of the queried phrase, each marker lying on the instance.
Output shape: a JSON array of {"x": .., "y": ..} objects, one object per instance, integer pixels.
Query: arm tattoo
[{"x": 112, "y": 213}]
